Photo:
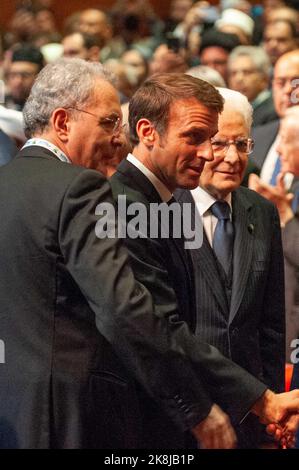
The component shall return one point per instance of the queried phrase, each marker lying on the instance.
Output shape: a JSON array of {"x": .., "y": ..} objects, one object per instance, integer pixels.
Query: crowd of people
[{"x": 141, "y": 341}]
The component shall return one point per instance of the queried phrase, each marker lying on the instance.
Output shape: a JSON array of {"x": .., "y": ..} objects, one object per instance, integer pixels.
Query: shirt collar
[
  {"x": 204, "y": 200},
  {"x": 262, "y": 96},
  {"x": 160, "y": 187},
  {"x": 49, "y": 146}
]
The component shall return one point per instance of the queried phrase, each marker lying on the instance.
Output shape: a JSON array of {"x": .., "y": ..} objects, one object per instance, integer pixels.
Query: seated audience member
[
  {"x": 249, "y": 71},
  {"x": 26, "y": 63},
  {"x": 82, "y": 46},
  {"x": 215, "y": 49},
  {"x": 264, "y": 155},
  {"x": 240, "y": 307},
  {"x": 279, "y": 37}
]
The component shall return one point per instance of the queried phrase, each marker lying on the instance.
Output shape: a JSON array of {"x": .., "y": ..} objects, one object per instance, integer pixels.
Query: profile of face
[
  {"x": 94, "y": 134},
  {"x": 178, "y": 156},
  {"x": 285, "y": 82},
  {"x": 243, "y": 76},
  {"x": 288, "y": 147},
  {"x": 278, "y": 39},
  {"x": 225, "y": 173},
  {"x": 216, "y": 58},
  {"x": 21, "y": 76}
]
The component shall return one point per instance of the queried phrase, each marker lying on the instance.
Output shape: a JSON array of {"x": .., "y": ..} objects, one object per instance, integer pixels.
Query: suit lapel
[
  {"x": 138, "y": 181},
  {"x": 204, "y": 260},
  {"x": 244, "y": 223}
]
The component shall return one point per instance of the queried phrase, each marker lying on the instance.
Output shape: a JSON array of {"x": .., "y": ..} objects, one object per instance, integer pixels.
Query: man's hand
[
  {"x": 280, "y": 412},
  {"x": 215, "y": 431},
  {"x": 277, "y": 194}
]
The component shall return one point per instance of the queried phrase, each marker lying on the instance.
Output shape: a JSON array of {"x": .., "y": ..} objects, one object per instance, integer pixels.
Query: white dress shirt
[{"x": 203, "y": 202}]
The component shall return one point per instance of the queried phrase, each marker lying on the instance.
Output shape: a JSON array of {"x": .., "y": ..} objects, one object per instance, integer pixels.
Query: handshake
[{"x": 280, "y": 412}]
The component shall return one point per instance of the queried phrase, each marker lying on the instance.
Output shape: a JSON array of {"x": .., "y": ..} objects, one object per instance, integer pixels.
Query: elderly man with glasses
[{"x": 239, "y": 280}]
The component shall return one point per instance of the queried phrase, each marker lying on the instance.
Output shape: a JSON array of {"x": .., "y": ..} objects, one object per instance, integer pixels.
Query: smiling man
[{"x": 239, "y": 268}]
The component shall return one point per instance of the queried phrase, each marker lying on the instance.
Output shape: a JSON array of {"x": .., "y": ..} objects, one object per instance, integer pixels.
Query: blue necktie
[
  {"x": 276, "y": 171},
  {"x": 223, "y": 240}
]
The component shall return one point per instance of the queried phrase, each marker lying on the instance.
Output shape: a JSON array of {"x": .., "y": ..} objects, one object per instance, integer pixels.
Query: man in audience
[
  {"x": 249, "y": 71},
  {"x": 239, "y": 280},
  {"x": 265, "y": 156},
  {"x": 83, "y": 46},
  {"x": 280, "y": 36},
  {"x": 26, "y": 63},
  {"x": 215, "y": 49}
]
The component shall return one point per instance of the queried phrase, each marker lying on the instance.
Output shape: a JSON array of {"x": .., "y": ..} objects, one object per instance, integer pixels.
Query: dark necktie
[
  {"x": 276, "y": 172},
  {"x": 224, "y": 235}
]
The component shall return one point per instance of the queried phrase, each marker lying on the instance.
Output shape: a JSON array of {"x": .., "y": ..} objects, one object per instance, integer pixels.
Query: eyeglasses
[
  {"x": 244, "y": 146},
  {"x": 112, "y": 124}
]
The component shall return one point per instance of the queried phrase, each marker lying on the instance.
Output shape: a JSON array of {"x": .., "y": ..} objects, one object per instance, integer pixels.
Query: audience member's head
[
  {"x": 238, "y": 23},
  {"x": 208, "y": 74},
  {"x": 249, "y": 71},
  {"x": 285, "y": 81},
  {"x": 26, "y": 63},
  {"x": 288, "y": 146},
  {"x": 215, "y": 49},
  {"x": 82, "y": 45},
  {"x": 95, "y": 22},
  {"x": 279, "y": 37}
]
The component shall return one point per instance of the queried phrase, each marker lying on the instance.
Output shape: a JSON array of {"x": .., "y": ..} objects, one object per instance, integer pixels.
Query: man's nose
[
  {"x": 205, "y": 151},
  {"x": 232, "y": 156}
]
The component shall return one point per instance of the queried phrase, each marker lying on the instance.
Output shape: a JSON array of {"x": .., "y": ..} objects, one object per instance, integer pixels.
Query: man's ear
[
  {"x": 61, "y": 124},
  {"x": 146, "y": 132}
]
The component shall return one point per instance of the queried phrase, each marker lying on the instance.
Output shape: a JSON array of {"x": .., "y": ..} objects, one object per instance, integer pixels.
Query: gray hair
[
  {"x": 208, "y": 74},
  {"x": 258, "y": 56},
  {"x": 238, "y": 103},
  {"x": 66, "y": 83}
]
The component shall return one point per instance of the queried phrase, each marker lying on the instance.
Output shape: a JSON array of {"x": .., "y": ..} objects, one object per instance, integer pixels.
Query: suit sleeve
[
  {"x": 272, "y": 325},
  {"x": 158, "y": 349}
]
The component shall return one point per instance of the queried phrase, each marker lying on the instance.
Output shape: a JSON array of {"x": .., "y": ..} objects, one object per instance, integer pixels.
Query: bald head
[
  {"x": 95, "y": 22},
  {"x": 286, "y": 81}
]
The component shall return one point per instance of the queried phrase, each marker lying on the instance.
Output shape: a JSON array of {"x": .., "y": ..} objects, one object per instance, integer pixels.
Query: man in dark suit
[
  {"x": 241, "y": 311},
  {"x": 264, "y": 154},
  {"x": 76, "y": 328},
  {"x": 171, "y": 122}
]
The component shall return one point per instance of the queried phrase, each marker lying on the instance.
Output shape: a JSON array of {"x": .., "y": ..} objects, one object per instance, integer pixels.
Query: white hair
[
  {"x": 257, "y": 55},
  {"x": 238, "y": 103},
  {"x": 208, "y": 74},
  {"x": 67, "y": 83}
]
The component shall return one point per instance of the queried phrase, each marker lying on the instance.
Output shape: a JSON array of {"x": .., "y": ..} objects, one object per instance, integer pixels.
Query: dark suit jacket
[
  {"x": 264, "y": 112},
  {"x": 8, "y": 150},
  {"x": 160, "y": 265},
  {"x": 75, "y": 323},
  {"x": 264, "y": 137},
  {"x": 251, "y": 329}
]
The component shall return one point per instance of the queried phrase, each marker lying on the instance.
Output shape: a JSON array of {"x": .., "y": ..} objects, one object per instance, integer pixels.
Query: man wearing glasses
[{"x": 239, "y": 279}]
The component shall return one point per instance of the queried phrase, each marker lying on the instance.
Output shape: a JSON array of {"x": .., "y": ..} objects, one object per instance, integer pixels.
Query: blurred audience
[
  {"x": 208, "y": 74},
  {"x": 26, "y": 63},
  {"x": 280, "y": 36},
  {"x": 83, "y": 46},
  {"x": 249, "y": 70}
]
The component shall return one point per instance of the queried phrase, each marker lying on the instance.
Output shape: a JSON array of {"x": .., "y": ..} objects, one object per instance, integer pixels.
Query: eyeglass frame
[
  {"x": 228, "y": 143},
  {"x": 101, "y": 120}
]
